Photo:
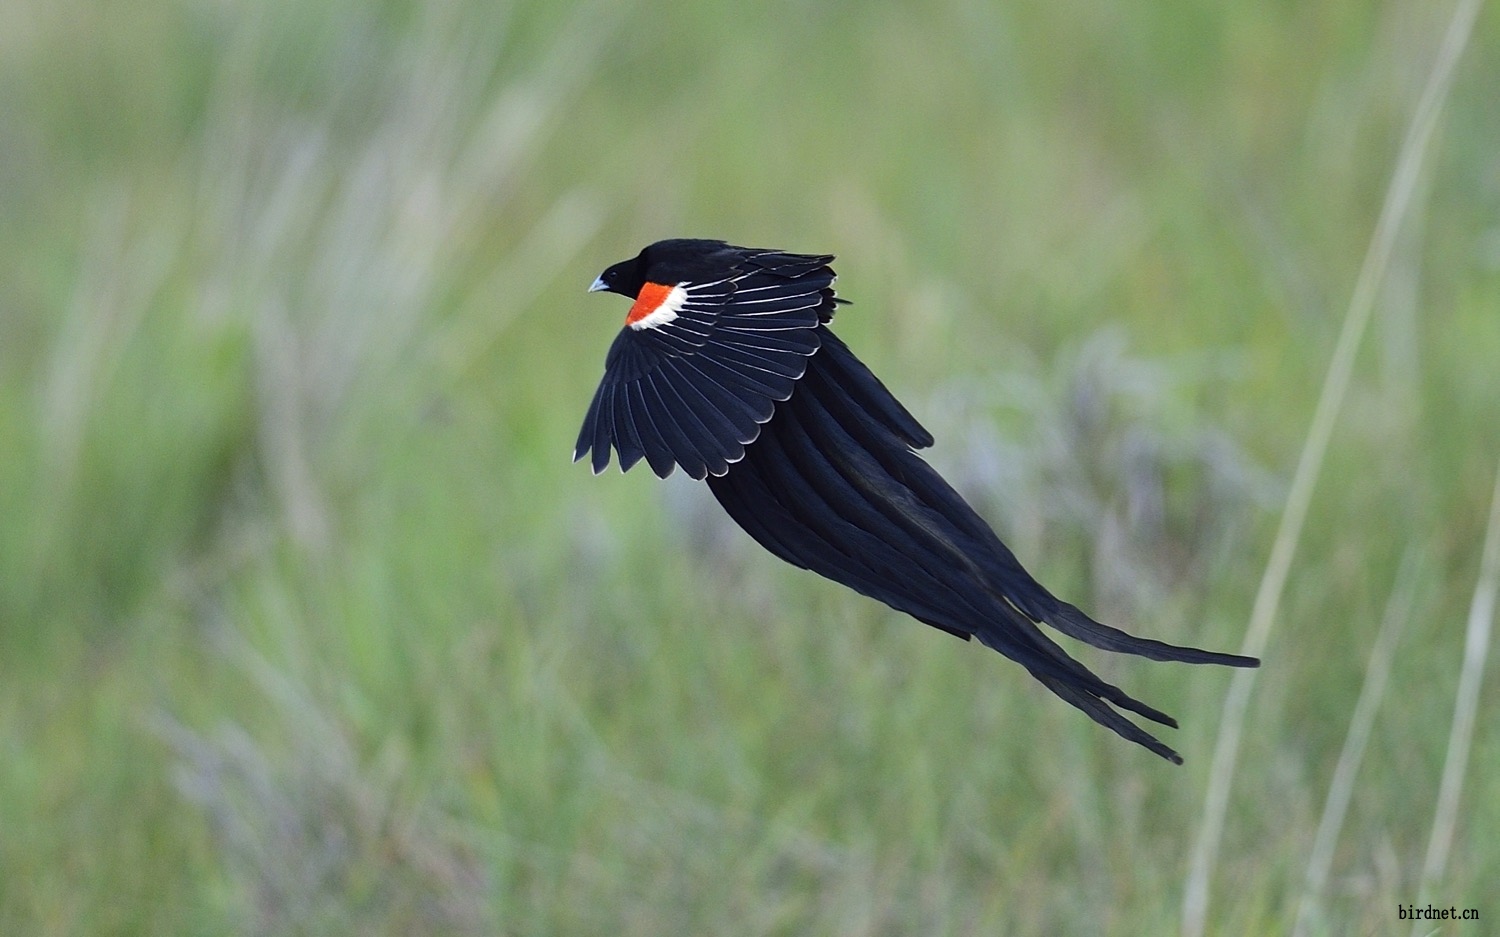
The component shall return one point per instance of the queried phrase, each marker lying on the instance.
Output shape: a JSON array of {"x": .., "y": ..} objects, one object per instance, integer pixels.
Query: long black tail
[{"x": 833, "y": 485}]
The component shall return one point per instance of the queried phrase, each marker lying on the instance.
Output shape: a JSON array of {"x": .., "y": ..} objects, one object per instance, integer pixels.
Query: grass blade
[
  {"x": 1341, "y": 787},
  {"x": 1393, "y": 211},
  {"x": 1466, "y": 704}
]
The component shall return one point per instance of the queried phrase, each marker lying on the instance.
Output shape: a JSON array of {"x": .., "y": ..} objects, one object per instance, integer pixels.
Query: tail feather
[
  {"x": 1075, "y": 624},
  {"x": 1012, "y": 621},
  {"x": 1102, "y": 714},
  {"x": 833, "y": 485},
  {"x": 982, "y": 546}
]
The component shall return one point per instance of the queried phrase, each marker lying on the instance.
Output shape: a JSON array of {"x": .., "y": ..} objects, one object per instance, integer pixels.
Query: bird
[{"x": 727, "y": 369}]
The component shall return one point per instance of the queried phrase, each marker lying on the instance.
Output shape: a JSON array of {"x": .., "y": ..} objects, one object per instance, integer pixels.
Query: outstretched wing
[{"x": 699, "y": 367}]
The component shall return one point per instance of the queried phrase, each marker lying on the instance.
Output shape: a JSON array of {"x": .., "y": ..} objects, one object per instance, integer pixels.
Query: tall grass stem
[
  {"x": 1393, "y": 211},
  {"x": 1341, "y": 788},
  {"x": 1466, "y": 704}
]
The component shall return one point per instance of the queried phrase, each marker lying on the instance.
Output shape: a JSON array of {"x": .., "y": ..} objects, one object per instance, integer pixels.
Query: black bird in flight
[{"x": 727, "y": 369}]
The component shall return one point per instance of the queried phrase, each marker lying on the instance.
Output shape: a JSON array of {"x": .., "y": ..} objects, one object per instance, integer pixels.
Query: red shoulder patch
[{"x": 650, "y": 298}]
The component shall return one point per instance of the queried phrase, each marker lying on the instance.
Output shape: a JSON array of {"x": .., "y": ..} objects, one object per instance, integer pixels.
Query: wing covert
[{"x": 699, "y": 367}]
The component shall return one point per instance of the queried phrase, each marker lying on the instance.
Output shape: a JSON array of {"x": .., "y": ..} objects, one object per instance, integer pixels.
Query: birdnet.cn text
[{"x": 1409, "y": 912}]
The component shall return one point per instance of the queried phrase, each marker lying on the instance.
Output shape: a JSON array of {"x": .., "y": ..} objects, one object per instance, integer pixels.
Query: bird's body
[{"x": 728, "y": 369}]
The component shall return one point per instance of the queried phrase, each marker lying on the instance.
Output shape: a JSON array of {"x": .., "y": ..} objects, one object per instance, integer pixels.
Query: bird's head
[
  {"x": 677, "y": 260},
  {"x": 626, "y": 277}
]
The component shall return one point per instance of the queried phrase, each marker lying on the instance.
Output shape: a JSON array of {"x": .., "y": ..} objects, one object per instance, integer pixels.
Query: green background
[{"x": 307, "y": 624}]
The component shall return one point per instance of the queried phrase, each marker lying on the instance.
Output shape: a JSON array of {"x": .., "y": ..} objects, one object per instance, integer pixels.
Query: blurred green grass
[{"x": 307, "y": 626}]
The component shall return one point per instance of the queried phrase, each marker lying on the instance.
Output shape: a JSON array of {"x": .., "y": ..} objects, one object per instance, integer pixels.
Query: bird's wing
[{"x": 699, "y": 367}]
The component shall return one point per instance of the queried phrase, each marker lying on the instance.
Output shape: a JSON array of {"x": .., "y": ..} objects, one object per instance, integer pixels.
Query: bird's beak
[{"x": 599, "y": 284}]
